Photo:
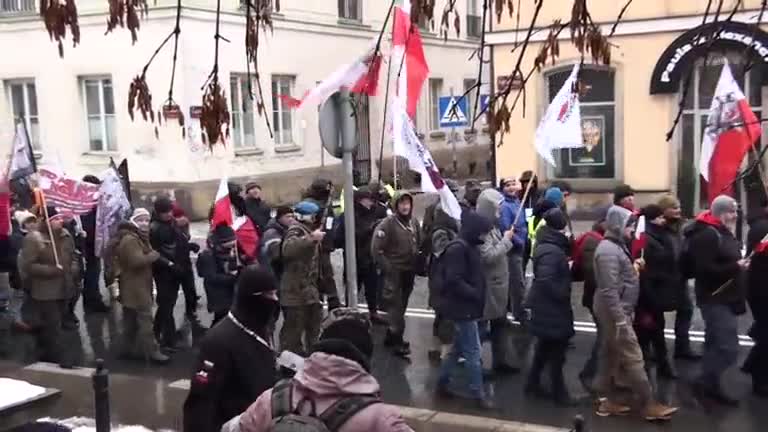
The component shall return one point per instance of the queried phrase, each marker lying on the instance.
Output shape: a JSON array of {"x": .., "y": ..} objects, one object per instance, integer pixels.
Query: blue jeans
[
  {"x": 467, "y": 345},
  {"x": 721, "y": 342}
]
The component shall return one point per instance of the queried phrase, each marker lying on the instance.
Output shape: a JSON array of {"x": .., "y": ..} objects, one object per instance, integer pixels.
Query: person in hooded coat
[
  {"x": 618, "y": 288},
  {"x": 461, "y": 299},
  {"x": 660, "y": 283},
  {"x": 339, "y": 367},
  {"x": 236, "y": 362},
  {"x": 395, "y": 248},
  {"x": 550, "y": 304},
  {"x": 272, "y": 241},
  {"x": 134, "y": 257},
  {"x": 494, "y": 252},
  {"x": 219, "y": 268},
  {"x": 719, "y": 273},
  {"x": 366, "y": 220}
]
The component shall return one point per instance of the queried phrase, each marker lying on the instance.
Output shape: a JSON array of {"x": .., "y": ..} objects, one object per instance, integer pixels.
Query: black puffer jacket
[
  {"x": 550, "y": 296},
  {"x": 716, "y": 253},
  {"x": 219, "y": 276},
  {"x": 461, "y": 295},
  {"x": 661, "y": 281}
]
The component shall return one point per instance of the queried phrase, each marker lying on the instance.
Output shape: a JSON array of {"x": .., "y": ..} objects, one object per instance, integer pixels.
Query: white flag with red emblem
[
  {"x": 561, "y": 125},
  {"x": 361, "y": 76},
  {"x": 732, "y": 129},
  {"x": 408, "y": 146}
]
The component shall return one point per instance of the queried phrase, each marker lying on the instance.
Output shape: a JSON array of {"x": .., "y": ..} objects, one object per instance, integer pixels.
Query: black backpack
[
  {"x": 287, "y": 418},
  {"x": 687, "y": 257}
]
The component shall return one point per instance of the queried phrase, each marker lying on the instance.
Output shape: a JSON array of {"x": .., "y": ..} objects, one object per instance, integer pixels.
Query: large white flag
[
  {"x": 561, "y": 125},
  {"x": 408, "y": 145}
]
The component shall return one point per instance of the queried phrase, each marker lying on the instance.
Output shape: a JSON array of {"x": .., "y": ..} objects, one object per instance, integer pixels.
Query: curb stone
[{"x": 422, "y": 420}]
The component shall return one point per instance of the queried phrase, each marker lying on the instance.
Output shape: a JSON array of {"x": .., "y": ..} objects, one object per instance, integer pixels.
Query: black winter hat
[
  {"x": 345, "y": 324},
  {"x": 163, "y": 204},
  {"x": 252, "y": 185},
  {"x": 622, "y": 191},
  {"x": 224, "y": 233},
  {"x": 651, "y": 212},
  {"x": 555, "y": 219}
]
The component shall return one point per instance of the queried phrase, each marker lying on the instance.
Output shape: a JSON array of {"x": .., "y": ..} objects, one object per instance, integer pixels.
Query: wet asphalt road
[{"x": 152, "y": 395}]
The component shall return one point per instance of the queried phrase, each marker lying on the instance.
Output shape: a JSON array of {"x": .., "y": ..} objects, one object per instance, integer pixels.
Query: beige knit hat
[{"x": 667, "y": 202}]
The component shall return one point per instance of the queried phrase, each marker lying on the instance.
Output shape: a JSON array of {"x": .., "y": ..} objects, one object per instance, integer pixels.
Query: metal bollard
[
  {"x": 101, "y": 396},
  {"x": 578, "y": 424}
]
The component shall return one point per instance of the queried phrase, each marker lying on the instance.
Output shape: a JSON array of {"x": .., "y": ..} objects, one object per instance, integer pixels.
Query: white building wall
[{"x": 309, "y": 42}]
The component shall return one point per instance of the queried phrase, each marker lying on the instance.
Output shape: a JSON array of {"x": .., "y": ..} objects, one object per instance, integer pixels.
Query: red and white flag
[
  {"x": 70, "y": 196},
  {"x": 408, "y": 50},
  {"x": 732, "y": 129},
  {"x": 408, "y": 146},
  {"x": 362, "y": 77},
  {"x": 224, "y": 213},
  {"x": 638, "y": 243}
]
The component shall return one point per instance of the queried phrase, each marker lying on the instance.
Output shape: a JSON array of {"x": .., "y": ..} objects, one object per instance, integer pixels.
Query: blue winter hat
[
  {"x": 555, "y": 195},
  {"x": 306, "y": 208}
]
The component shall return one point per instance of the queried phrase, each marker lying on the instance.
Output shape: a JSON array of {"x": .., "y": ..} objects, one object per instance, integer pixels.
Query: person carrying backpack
[
  {"x": 458, "y": 273},
  {"x": 333, "y": 392},
  {"x": 719, "y": 271}
]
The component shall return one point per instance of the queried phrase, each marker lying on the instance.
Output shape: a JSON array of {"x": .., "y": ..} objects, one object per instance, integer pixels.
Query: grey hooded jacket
[
  {"x": 618, "y": 285},
  {"x": 494, "y": 251}
]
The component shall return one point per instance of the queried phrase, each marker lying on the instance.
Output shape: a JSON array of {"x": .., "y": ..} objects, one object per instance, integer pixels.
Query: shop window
[
  {"x": 597, "y": 159},
  {"x": 691, "y": 187}
]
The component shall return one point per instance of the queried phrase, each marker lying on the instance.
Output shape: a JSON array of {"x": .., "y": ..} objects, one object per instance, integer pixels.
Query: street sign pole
[
  {"x": 453, "y": 145},
  {"x": 348, "y": 144}
]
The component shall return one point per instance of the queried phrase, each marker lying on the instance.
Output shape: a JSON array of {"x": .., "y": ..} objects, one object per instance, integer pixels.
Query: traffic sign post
[{"x": 338, "y": 129}]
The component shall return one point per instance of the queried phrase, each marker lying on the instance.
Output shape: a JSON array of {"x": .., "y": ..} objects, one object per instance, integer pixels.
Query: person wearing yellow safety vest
[{"x": 553, "y": 198}]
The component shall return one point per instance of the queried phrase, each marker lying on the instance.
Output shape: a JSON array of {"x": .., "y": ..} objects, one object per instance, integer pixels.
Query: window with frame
[
  {"x": 469, "y": 83},
  {"x": 435, "y": 91},
  {"x": 351, "y": 10},
  {"x": 17, "y": 7},
  {"x": 100, "y": 113},
  {"x": 282, "y": 116},
  {"x": 597, "y": 159},
  {"x": 691, "y": 187},
  {"x": 474, "y": 20},
  {"x": 243, "y": 120},
  {"x": 23, "y": 96}
]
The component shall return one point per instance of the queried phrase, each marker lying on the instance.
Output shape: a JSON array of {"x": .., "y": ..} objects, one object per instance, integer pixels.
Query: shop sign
[{"x": 678, "y": 57}]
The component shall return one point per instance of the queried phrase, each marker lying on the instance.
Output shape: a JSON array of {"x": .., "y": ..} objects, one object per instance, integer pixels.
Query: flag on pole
[
  {"x": 362, "y": 76},
  {"x": 22, "y": 162},
  {"x": 561, "y": 125},
  {"x": 408, "y": 50},
  {"x": 112, "y": 208},
  {"x": 640, "y": 240},
  {"x": 69, "y": 195},
  {"x": 732, "y": 129},
  {"x": 408, "y": 146},
  {"x": 224, "y": 213}
]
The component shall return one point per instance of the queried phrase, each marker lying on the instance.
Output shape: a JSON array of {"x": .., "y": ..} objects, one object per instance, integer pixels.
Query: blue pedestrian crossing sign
[{"x": 450, "y": 117}]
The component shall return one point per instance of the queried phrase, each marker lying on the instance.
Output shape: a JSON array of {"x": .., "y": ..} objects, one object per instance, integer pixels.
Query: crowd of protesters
[{"x": 476, "y": 268}]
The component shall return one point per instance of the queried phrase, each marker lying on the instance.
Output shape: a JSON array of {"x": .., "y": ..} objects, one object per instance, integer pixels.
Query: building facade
[
  {"x": 631, "y": 104},
  {"x": 75, "y": 107}
]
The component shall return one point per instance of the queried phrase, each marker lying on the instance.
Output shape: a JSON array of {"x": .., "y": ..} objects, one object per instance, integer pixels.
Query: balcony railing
[
  {"x": 17, "y": 7},
  {"x": 474, "y": 26}
]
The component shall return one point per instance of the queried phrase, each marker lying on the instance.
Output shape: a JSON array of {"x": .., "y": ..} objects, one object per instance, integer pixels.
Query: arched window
[
  {"x": 597, "y": 160},
  {"x": 691, "y": 188}
]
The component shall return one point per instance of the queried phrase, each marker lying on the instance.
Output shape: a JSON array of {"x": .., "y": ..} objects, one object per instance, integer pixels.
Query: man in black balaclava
[{"x": 236, "y": 362}]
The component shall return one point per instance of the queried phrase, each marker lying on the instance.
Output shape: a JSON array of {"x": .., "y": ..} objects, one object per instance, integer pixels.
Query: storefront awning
[{"x": 679, "y": 56}]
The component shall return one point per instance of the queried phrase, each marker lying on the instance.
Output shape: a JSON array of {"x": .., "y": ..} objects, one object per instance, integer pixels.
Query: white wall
[{"x": 308, "y": 42}]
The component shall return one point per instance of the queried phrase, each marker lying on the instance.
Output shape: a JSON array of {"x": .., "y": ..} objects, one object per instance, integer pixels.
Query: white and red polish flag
[
  {"x": 408, "y": 52},
  {"x": 732, "y": 129},
  {"x": 408, "y": 146},
  {"x": 362, "y": 76},
  {"x": 224, "y": 213}
]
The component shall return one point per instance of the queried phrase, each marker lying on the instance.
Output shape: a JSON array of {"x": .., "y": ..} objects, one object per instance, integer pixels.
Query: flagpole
[
  {"x": 29, "y": 145},
  {"x": 50, "y": 230},
  {"x": 525, "y": 196}
]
